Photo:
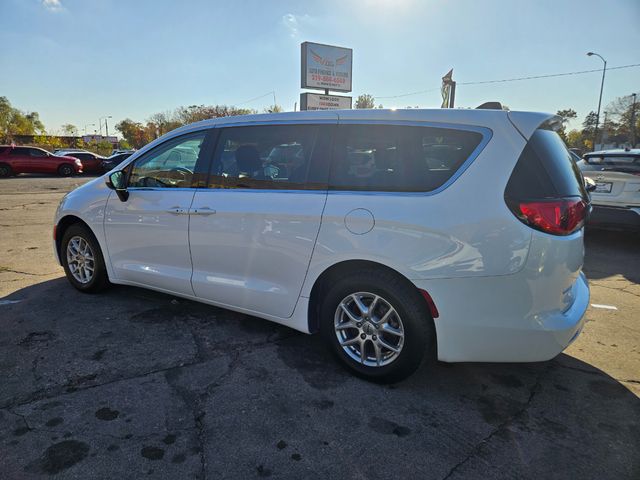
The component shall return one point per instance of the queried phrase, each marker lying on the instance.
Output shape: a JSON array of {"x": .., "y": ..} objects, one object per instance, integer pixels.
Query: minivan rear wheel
[
  {"x": 5, "y": 170},
  {"x": 377, "y": 324},
  {"x": 82, "y": 260}
]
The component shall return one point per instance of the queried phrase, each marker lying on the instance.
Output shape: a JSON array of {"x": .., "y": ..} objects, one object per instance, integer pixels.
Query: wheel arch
[
  {"x": 337, "y": 270},
  {"x": 63, "y": 225}
]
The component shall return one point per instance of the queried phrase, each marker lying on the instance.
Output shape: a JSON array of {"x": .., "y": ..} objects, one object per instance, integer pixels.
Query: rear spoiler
[{"x": 528, "y": 122}]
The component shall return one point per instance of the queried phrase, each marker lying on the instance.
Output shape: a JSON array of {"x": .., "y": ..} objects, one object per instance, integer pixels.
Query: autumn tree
[
  {"x": 70, "y": 130},
  {"x": 566, "y": 115},
  {"x": 17, "y": 122}
]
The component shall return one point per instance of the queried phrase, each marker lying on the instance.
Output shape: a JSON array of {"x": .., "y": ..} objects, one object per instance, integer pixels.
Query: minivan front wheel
[
  {"x": 377, "y": 325},
  {"x": 82, "y": 260}
]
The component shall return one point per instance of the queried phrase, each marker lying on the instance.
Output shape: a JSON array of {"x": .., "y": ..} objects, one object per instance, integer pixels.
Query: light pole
[
  {"x": 88, "y": 125},
  {"x": 633, "y": 121},
  {"x": 604, "y": 70},
  {"x": 105, "y": 124}
]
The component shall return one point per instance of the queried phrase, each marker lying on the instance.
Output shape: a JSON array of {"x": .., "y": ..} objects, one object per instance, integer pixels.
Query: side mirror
[{"x": 118, "y": 182}]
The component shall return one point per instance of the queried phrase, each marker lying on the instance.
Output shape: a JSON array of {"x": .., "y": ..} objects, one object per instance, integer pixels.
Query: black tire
[
  {"x": 65, "y": 170},
  {"x": 399, "y": 293},
  {"x": 99, "y": 281},
  {"x": 5, "y": 170}
]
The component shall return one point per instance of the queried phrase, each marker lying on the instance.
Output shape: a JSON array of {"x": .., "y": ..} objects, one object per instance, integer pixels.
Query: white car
[
  {"x": 616, "y": 197},
  {"x": 399, "y": 235}
]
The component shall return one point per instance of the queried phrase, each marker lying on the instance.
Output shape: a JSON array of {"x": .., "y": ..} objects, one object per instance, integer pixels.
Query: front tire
[
  {"x": 377, "y": 324},
  {"x": 65, "y": 170},
  {"x": 82, "y": 260}
]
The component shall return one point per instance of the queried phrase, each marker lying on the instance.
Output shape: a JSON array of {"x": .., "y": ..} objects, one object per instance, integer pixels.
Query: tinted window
[
  {"x": 18, "y": 151},
  {"x": 267, "y": 157},
  {"x": 36, "y": 152},
  {"x": 398, "y": 158},
  {"x": 618, "y": 163},
  {"x": 170, "y": 165},
  {"x": 545, "y": 169}
]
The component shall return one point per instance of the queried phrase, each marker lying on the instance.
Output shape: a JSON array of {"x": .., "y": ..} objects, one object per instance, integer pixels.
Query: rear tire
[
  {"x": 5, "y": 170},
  {"x": 65, "y": 170},
  {"x": 395, "y": 344},
  {"x": 82, "y": 260}
]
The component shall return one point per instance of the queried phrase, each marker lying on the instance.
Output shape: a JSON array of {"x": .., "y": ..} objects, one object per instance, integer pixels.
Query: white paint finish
[
  {"x": 253, "y": 253},
  {"x": 147, "y": 243},
  {"x": 504, "y": 291},
  {"x": 604, "y": 307}
]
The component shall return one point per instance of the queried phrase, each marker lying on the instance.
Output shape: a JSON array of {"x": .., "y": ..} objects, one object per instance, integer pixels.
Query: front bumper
[{"x": 627, "y": 218}]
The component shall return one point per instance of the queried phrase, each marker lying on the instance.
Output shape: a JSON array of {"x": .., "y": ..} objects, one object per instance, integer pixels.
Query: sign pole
[{"x": 452, "y": 97}]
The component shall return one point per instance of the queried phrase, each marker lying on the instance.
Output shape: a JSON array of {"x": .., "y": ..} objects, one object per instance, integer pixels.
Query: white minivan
[{"x": 399, "y": 235}]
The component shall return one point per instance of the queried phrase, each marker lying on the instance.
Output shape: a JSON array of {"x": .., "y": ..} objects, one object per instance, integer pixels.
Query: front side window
[
  {"x": 398, "y": 158},
  {"x": 36, "y": 152},
  {"x": 170, "y": 165},
  {"x": 265, "y": 157}
]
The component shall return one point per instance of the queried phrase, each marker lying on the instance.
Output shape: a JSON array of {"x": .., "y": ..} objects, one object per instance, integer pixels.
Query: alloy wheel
[
  {"x": 80, "y": 259},
  {"x": 369, "y": 329}
]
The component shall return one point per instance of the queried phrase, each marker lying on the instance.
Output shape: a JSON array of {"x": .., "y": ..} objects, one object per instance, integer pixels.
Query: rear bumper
[
  {"x": 488, "y": 322},
  {"x": 627, "y": 218}
]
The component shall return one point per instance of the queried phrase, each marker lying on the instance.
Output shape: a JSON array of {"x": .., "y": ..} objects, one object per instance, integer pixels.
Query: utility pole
[
  {"x": 633, "y": 121},
  {"x": 604, "y": 71}
]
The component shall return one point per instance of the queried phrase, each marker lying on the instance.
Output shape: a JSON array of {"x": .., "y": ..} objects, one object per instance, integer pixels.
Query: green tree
[
  {"x": 273, "y": 109},
  {"x": 365, "y": 101},
  {"x": 70, "y": 130},
  {"x": 566, "y": 115},
  {"x": 16, "y": 122}
]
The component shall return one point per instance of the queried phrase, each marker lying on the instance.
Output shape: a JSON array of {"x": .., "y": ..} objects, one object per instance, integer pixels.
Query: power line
[
  {"x": 255, "y": 98},
  {"x": 504, "y": 80}
]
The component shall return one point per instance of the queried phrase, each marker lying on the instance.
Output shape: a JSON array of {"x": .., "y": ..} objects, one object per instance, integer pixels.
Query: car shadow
[
  {"x": 563, "y": 418},
  {"x": 611, "y": 252}
]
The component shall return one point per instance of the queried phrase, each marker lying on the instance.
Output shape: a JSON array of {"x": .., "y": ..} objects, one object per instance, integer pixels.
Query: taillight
[{"x": 561, "y": 216}]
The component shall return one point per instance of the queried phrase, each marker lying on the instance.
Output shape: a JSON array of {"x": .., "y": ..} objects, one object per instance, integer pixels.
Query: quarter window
[
  {"x": 266, "y": 157},
  {"x": 170, "y": 165},
  {"x": 398, "y": 158}
]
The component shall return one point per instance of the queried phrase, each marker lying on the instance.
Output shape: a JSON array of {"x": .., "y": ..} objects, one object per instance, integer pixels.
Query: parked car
[
  {"x": 92, "y": 162},
  {"x": 113, "y": 161},
  {"x": 399, "y": 235},
  {"x": 15, "y": 160},
  {"x": 116, "y": 151},
  {"x": 616, "y": 197}
]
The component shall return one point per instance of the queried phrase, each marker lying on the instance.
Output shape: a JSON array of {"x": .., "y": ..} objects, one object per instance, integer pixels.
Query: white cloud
[
  {"x": 52, "y": 5},
  {"x": 293, "y": 23}
]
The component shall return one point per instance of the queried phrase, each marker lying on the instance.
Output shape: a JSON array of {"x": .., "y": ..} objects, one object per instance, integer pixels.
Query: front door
[
  {"x": 148, "y": 234},
  {"x": 252, "y": 232}
]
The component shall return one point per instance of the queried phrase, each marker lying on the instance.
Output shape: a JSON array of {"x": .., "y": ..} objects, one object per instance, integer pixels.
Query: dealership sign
[
  {"x": 326, "y": 67},
  {"x": 317, "y": 101}
]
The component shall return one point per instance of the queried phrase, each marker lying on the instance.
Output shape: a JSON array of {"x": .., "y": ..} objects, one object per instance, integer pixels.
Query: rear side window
[
  {"x": 19, "y": 151},
  {"x": 545, "y": 169},
  {"x": 398, "y": 158},
  {"x": 270, "y": 157},
  {"x": 616, "y": 163}
]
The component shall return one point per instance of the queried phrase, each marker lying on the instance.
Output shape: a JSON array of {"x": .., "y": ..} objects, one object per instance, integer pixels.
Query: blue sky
[{"x": 76, "y": 60}]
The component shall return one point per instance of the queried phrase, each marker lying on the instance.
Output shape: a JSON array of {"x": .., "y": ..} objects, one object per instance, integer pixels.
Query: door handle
[
  {"x": 178, "y": 211},
  {"x": 202, "y": 211}
]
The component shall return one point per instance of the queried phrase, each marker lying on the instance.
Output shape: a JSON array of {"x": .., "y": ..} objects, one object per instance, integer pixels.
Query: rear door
[
  {"x": 148, "y": 235},
  {"x": 20, "y": 159},
  {"x": 253, "y": 229},
  {"x": 617, "y": 179}
]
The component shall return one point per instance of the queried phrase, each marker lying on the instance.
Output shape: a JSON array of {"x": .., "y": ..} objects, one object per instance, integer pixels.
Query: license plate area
[{"x": 603, "y": 187}]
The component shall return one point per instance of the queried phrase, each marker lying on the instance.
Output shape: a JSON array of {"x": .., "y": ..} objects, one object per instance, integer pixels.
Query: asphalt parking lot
[{"x": 133, "y": 384}]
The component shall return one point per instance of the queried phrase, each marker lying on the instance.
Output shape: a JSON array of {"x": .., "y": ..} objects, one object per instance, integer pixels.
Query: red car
[{"x": 15, "y": 160}]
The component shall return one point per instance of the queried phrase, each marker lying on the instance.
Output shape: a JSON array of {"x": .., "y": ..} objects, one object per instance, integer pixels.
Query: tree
[
  {"x": 16, "y": 122},
  {"x": 70, "y": 130},
  {"x": 273, "y": 109},
  {"x": 134, "y": 133},
  {"x": 365, "y": 101},
  {"x": 566, "y": 115},
  {"x": 589, "y": 124}
]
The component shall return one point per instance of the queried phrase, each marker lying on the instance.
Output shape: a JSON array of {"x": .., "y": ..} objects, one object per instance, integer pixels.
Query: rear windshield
[
  {"x": 617, "y": 163},
  {"x": 545, "y": 169},
  {"x": 398, "y": 158}
]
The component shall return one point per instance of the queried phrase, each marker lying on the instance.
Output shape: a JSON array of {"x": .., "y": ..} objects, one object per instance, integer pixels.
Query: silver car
[{"x": 616, "y": 197}]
